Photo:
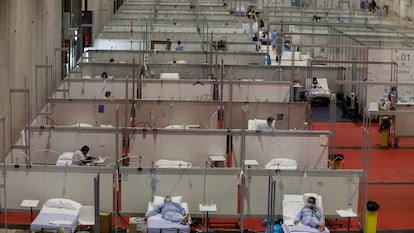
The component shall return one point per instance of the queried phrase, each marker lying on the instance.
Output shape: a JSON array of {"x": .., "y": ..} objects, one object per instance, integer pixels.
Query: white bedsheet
[
  {"x": 65, "y": 159},
  {"x": 282, "y": 164},
  {"x": 256, "y": 124},
  {"x": 46, "y": 209},
  {"x": 165, "y": 163},
  {"x": 291, "y": 207},
  {"x": 157, "y": 224},
  {"x": 183, "y": 127},
  {"x": 57, "y": 212},
  {"x": 322, "y": 89}
]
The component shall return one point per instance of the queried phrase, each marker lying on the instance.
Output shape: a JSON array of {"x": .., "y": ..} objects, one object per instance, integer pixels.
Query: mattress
[
  {"x": 156, "y": 224},
  {"x": 65, "y": 159},
  {"x": 282, "y": 164},
  {"x": 322, "y": 91},
  {"x": 49, "y": 219},
  {"x": 319, "y": 93},
  {"x": 256, "y": 124},
  {"x": 165, "y": 163},
  {"x": 301, "y": 228}
]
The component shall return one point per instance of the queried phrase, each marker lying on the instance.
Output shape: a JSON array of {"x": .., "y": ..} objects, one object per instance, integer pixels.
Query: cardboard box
[
  {"x": 137, "y": 226},
  {"x": 105, "y": 222}
]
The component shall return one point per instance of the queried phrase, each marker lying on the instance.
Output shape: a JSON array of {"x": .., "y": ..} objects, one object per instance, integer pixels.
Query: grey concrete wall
[
  {"x": 4, "y": 64},
  {"x": 31, "y": 30},
  {"x": 102, "y": 12}
]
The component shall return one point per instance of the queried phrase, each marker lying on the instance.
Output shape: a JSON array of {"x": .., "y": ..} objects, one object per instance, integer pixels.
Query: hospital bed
[
  {"x": 256, "y": 124},
  {"x": 57, "y": 212},
  {"x": 183, "y": 127},
  {"x": 66, "y": 159},
  {"x": 292, "y": 204},
  {"x": 282, "y": 164},
  {"x": 156, "y": 224},
  {"x": 165, "y": 163},
  {"x": 169, "y": 76},
  {"x": 319, "y": 90},
  {"x": 87, "y": 125}
]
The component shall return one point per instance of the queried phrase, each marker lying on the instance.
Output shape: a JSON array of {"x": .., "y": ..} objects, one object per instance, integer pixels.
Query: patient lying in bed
[
  {"x": 171, "y": 211},
  {"x": 292, "y": 206},
  {"x": 311, "y": 215}
]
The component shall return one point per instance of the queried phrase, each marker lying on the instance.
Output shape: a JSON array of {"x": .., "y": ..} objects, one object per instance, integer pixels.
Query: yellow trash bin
[
  {"x": 371, "y": 217},
  {"x": 335, "y": 160},
  {"x": 384, "y": 129},
  {"x": 105, "y": 222}
]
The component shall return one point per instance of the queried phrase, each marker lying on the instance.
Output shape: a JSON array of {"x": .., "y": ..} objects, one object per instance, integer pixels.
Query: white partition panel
[
  {"x": 328, "y": 187},
  {"x": 163, "y": 113},
  {"x": 221, "y": 186},
  {"x": 308, "y": 150},
  {"x": 137, "y": 190},
  {"x": 378, "y": 73},
  {"x": 258, "y": 91},
  {"x": 192, "y": 148},
  {"x": 42, "y": 183},
  {"x": 169, "y": 90},
  {"x": 96, "y": 89},
  {"x": 195, "y": 90},
  {"x": 46, "y": 145}
]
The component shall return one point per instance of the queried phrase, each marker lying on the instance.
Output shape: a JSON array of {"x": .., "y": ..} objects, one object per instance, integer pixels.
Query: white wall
[
  {"x": 30, "y": 33},
  {"x": 378, "y": 73}
]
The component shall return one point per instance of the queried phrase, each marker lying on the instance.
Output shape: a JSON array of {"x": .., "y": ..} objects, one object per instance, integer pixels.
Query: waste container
[
  {"x": 385, "y": 125},
  {"x": 268, "y": 60},
  {"x": 386, "y": 9},
  {"x": 296, "y": 91},
  {"x": 105, "y": 222},
  {"x": 335, "y": 160},
  {"x": 371, "y": 217}
]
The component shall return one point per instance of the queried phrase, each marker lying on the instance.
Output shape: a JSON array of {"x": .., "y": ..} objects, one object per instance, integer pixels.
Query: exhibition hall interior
[{"x": 186, "y": 116}]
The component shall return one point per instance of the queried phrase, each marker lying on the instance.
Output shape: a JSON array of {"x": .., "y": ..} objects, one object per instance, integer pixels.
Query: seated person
[
  {"x": 393, "y": 94},
  {"x": 170, "y": 211},
  {"x": 314, "y": 82},
  {"x": 104, "y": 75},
  {"x": 179, "y": 46},
  {"x": 82, "y": 156},
  {"x": 268, "y": 126},
  {"x": 310, "y": 215}
]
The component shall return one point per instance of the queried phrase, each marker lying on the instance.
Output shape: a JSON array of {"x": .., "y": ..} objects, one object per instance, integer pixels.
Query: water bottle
[
  {"x": 215, "y": 90},
  {"x": 350, "y": 205}
]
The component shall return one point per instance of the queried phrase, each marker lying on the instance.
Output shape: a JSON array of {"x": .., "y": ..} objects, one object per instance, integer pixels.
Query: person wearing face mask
[
  {"x": 171, "y": 211},
  {"x": 310, "y": 215}
]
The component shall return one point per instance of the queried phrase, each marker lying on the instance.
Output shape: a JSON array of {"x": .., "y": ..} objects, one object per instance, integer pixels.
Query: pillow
[
  {"x": 66, "y": 156},
  {"x": 290, "y": 210},
  {"x": 82, "y": 125},
  {"x": 282, "y": 163},
  {"x": 62, "y": 203},
  {"x": 256, "y": 124},
  {"x": 165, "y": 163},
  {"x": 158, "y": 200}
]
